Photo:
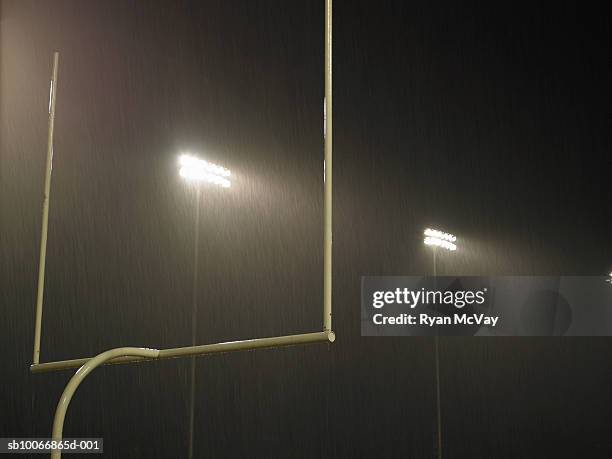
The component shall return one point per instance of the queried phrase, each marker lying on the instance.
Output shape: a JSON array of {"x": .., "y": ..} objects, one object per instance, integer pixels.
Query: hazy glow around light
[{"x": 197, "y": 169}]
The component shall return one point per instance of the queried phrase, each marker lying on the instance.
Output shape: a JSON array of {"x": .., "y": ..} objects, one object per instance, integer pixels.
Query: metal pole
[
  {"x": 203, "y": 349},
  {"x": 438, "y": 402},
  {"x": 194, "y": 318},
  {"x": 73, "y": 384},
  {"x": 434, "y": 262},
  {"x": 45, "y": 212},
  {"x": 328, "y": 144},
  {"x": 437, "y": 360}
]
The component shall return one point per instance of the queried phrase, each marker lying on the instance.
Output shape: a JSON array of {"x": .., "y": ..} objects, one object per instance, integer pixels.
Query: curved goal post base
[{"x": 80, "y": 375}]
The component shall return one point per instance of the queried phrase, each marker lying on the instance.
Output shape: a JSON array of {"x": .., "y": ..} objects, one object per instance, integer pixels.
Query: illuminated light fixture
[
  {"x": 439, "y": 235},
  {"x": 609, "y": 279},
  {"x": 440, "y": 239},
  {"x": 193, "y": 168}
]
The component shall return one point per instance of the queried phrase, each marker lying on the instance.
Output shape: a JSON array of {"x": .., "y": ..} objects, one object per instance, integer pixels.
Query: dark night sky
[{"x": 489, "y": 120}]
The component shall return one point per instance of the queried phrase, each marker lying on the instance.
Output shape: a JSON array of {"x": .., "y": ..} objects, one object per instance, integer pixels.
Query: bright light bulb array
[
  {"x": 440, "y": 239},
  {"x": 439, "y": 235},
  {"x": 440, "y": 243},
  {"x": 197, "y": 169}
]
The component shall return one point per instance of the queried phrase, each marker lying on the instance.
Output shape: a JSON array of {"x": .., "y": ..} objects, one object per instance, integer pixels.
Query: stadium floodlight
[
  {"x": 440, "y": 239},
  {"x": 193, "y": 168}
]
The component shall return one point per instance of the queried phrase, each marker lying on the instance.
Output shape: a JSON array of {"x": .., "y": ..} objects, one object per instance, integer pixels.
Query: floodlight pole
[
  {"x": 194, "y": 316},
  {"x": 45, "y": 212},
  {"x": 435, "y": 272},
  {"x": 437, "y": 362},
  {"x": 436, "y": 238}
]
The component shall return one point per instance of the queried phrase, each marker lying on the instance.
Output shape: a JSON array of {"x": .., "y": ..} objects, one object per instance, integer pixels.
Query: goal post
[{"x": 325, "y": 335}]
